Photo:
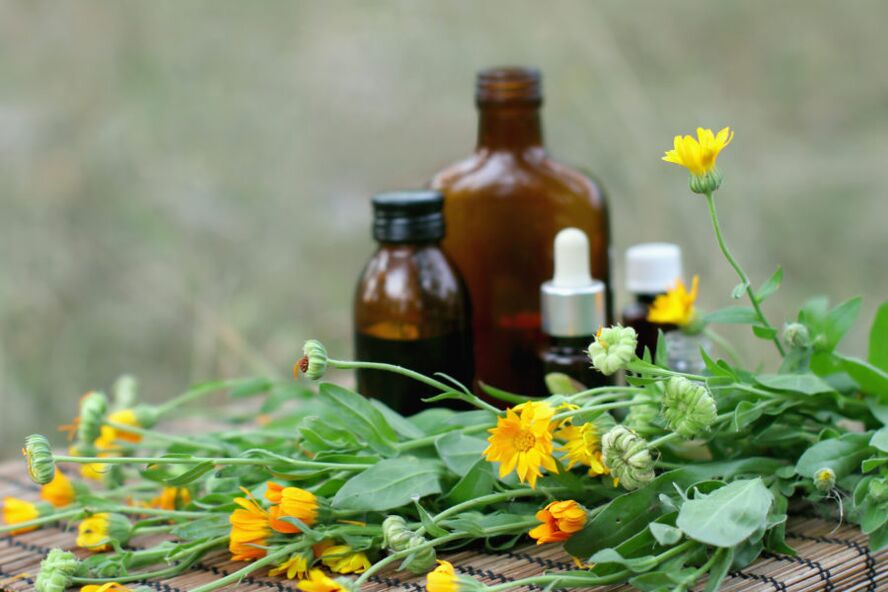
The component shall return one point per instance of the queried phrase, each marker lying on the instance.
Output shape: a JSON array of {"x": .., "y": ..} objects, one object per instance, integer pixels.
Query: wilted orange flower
[
  {"x": 522, "y": 441},
  {"x": 559, "y": 521},
  {"x": 109, "y": 434},
  {"x": 295, "y": 567},
  {"x": 249, "y": 530},
  {"x": 59, "y": 492},
  {"x": 290, "y": 502}
]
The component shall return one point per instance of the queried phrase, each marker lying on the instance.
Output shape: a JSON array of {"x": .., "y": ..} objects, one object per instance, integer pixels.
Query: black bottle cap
[{"x": 408, "y": 216}]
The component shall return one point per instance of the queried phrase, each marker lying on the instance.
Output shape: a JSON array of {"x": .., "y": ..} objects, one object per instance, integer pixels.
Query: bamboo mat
[{"x": 828, "y": 559}]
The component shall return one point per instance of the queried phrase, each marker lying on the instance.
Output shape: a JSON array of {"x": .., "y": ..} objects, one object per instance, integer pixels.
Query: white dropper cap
[
  {"x": 652, "y": 268},
  {"x": 572, "y": 302}
]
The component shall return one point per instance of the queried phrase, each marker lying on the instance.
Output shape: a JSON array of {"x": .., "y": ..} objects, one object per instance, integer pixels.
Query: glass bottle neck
[{"x": 509, "y": 127}]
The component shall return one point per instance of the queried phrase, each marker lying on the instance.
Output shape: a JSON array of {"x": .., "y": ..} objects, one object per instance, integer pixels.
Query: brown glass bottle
[
  {"x": 504, "y": 206},
  {"x": 410, "y": 306}
]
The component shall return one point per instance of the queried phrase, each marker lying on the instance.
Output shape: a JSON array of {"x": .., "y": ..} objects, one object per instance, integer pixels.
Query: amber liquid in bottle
[
  {"x": 410, "y": 306},
  {"x": 504, "y": 206}
]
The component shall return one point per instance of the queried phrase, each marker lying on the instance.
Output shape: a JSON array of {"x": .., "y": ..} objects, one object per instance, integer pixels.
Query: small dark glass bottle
[
  {"x": 410, "y": 306},
  {"x": 573, "y": 307},
  {"x": 651, "y": 269}
]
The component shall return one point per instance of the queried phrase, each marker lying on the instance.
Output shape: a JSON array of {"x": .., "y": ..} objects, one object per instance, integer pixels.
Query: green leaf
[
  {"x": 739, "y": 290},
  {"x": 870, "y": 378},
  {"x": 191, "y": 475},
  {"x": 635, "y": 564},
  {"x": 719, "y": 570},
  {"x": 763, "y": 332},
  {"x": 727, "y": 516},
  {"x": 214, "y": 525},
  {"x": 878, "y": 539},
  {"x": 459, "y": 451},
  {"x": 770, "y": 286},
  {"x": 871, "y": 464},
  {"x": 808, "y": 384},
  {"x": 732, "y": 315},
  {"x": 357, "y": 414},
  {"x": 879, "y": 411},
  {"x": 745, "y": 413},
  {"x": 878, "y": 339},
  {"x": 324, "y": 436},
  {"x": 839, "y": 320},
  {"x": 661, "y": 356},
  {"x": 398, "y": 422},
  {"x": 880, "y": 440},
  {"x": 666, "y": 535},
  {"x": 430, "y": 527},
  {"x": 557, "y": 383},
  {"x": 477, "y": 482},
  {"x": 843, "y": 455},
  {"x": 388, "y": 484}
]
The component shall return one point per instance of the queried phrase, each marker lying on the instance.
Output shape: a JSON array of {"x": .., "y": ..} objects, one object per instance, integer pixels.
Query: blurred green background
[{"x": 184, "y": 186}]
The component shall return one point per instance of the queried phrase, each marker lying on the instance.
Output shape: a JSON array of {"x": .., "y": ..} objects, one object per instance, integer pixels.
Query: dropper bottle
[{"x": 573, "y": 309}]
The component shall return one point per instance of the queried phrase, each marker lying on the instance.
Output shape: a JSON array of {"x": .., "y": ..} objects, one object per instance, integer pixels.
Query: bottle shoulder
[{"x": 409, "y": 274}]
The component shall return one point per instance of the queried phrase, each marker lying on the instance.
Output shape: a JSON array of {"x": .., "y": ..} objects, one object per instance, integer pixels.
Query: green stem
[
  {"x": 428, "y": 440},
  {"x": 196, "y": 393},
  {"x": 145, "y": 433},
  {"x": 553, "y": 581},
  {"x": 250, "y": 568},
  {"x": 608, "y": 392},
  {"x": 194, "y": 460},
  {"x": 48, "y": 519},
  {"x": 444, "y": 388},
  {"x": 490, "y": 499},
  {"x": 740, "y": 273},
  {"x": 597, "y": 409}
]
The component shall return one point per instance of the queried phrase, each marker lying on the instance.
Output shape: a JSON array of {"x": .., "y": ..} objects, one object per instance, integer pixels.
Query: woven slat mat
[{"x": 827, "y": 560}]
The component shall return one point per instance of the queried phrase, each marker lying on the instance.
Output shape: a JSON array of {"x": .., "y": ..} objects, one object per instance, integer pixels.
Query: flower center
[{"x": 524, "y": 441}]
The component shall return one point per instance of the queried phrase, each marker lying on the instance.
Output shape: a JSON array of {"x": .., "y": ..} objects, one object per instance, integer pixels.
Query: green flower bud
[
  {"x": 314, "y": 360},
  {"x": 627, "y": 456},
  {"x": 146, "y": 415},
  {"x": 688, "y": 407},
  {"x": 796, "y": 336},
  {"x": 613, "y": 349},
  {"x": 56, "y": 571},
  {"x": 641, "y": 414},
  {"x": 93, "y": 407},
  {"x": 41, "y": 463},
  {"x": 824, "y": 479},
  {"x": 707, "y": 182},
  {"x": 397, "y": 537}
]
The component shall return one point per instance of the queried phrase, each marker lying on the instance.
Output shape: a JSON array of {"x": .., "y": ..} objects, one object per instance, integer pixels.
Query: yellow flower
[
  {"x": 341, "y": 559},
  {"x": 318, "y": 581},
  {"x": 109, "y": 434},
  {"x": 94, "y": 471},
  {"x": 582, "y": 445},
  {"x": 290, "y": 502},
  {"x": 16, "y": 511},
  {"x": 699, "y": 155},
  {"x": 109, "y": 587},
  {"x": 249, "y": 530},
  {"x": 172, "y": 498},
  {"x": 93, "y": 532},
  {"x": 559, "y": 521},
  {"x": 522, "y": 440},
  {"x": 59, "y": 492},
  {"x": 294, "y": 567},
  {"x": 443, "y": 578},
  {"x": 675, "y": 307}
]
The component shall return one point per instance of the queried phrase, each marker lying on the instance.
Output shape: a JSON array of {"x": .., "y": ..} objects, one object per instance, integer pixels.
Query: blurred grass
[{"x": 183, "y": 187}]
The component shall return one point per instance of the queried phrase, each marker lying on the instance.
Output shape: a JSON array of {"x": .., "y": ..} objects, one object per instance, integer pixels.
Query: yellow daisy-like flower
[
  {"x": 443, "y": 578},
  {"x": 291, "y": 502},
  {"x": 250, "y": 530},
  {"x": 92, "y": 533},
  {"x": 341, "y": 559},
  {"x": 294, "y": 567},
  {"x": 522, "y": 441},
  {"x": 582, "y": 445},
  {"x": 675, "y": 307},
  {"x": 16, "y": 511},
  {"x": 59, "y": 492},
  {"x": 318, "y": 581},
  {"x": 109, "y": 434},
  {"x": 109, "y": 587},
  {"x": 172, "y": 498},
  {"x": 559, "y": 520},
  {"x": 699, "y": 155}
]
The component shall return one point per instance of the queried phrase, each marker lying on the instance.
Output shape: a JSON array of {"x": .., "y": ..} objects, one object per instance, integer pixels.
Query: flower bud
[
  {"x": 314, "y": 360},
  {"x": 707, "y": 182},
  {"x": 824, "y": 479},
  {"x": 627, "y": 456},
  {"x": 397, "y": 537},
  {"x": 796, "y": 336},
  {"x": 641, "y": 414},
  {"x": 688, "y": 407},
  {"x": 146, "y": 415},
  {"x": 613, "y": 348},
  {"x": 41, "y": 463},
  {"x": 93, "y": 407},
  {"x": 101, "y": 531},
  {"x": 57, "y": 571}
]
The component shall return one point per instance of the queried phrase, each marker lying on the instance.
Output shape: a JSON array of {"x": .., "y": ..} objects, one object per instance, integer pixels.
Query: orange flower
[
  {"x": 171, "y": 498},
  {"x": 318, "y": 581},
  {"x": 59, "y": 492},
  {"x": 249, "y": 530},
  {"x": 675, "y": 307},
  {"x": 559, "y": 521},
  {"x": 291, "y": 502}
]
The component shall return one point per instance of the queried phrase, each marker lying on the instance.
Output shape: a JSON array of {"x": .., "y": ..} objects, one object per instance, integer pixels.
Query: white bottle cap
[
  {"x": 572, "y": 303},
  {"x": 652, "y": 268}
]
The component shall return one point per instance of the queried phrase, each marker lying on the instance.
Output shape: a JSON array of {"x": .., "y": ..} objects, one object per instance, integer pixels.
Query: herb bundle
[{"x": 664, "y": 481}]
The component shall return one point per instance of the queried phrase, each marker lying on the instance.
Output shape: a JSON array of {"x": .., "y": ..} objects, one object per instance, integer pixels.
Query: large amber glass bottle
[{"x": 504, "y": 205}]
